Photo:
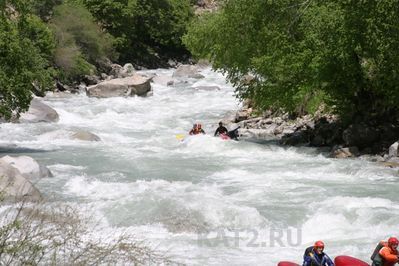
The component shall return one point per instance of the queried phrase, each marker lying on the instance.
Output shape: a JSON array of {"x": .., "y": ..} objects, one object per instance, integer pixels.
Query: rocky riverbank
[
  {"x": 21, "y": 173},
  {"x": 376, "y": 142}
]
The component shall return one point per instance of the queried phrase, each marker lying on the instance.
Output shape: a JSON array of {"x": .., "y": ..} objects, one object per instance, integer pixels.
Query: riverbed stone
[
  {"x": 28, "y": 167},
  {"x": 39, "y": 112},
  {"x": 126, "y": 71},
  {"x": 121, "y": 87},
  {"x": 394, "y": 150},
  {"x": 85, "y": 136},
  {"x": 14, "y": 186},
  {"x": 346, "y": 152},
  {"x": 185, "y": 71}
]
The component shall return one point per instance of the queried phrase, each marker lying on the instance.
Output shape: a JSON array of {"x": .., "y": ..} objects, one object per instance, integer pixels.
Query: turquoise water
[{"x": 205, "y": 201}]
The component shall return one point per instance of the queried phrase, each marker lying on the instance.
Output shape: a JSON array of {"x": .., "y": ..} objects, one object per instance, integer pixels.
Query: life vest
[{"x": 376, "y": 257}]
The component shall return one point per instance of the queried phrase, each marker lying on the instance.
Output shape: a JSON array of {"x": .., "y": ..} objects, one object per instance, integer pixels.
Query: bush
[
  {"x": 345, "y": 49},
  {"x": 26, "y": 45},
  {"x": 56, "y": 235},
  {"x": 146, "y": 30},
  {"x": 81, "y": 43}
]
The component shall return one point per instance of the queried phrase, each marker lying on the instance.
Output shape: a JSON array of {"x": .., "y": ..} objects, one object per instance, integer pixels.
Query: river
[{"x": 205, "y": 201}]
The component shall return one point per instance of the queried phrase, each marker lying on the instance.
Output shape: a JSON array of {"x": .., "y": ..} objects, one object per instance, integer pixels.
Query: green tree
[
  {"x": 26, "y": 46},
  {"x": 81, "y": 43},
  {"x": 145, "y": 30},
  {"x": 44, "y": 8},
  {"x": 343, "y": 50}
]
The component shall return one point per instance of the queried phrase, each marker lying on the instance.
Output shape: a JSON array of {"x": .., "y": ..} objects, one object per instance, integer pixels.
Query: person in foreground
[
  {"x": 197, "y": 129},
  {"x": 315, "y": 256},
  {"x": 220, "y": 130},
  {"x": 386, "y": 253}
]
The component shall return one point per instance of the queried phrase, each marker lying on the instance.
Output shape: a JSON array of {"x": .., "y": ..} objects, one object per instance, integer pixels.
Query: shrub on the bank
[
  {"x": 26, "y": 45},
  {"x": 145, "y": 30},
  {"x": 43, "y": 234},
  {"x": 44, "y": 8},
  {"x": 345, "y": 49},
  {"x": 81, "y": 43}
]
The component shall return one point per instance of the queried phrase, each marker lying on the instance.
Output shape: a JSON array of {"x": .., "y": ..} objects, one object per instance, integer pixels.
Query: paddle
[{"x": 180, "y": 136}]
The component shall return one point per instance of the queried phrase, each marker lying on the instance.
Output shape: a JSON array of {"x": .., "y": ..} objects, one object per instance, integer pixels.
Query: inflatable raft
[{"x": 339, "y": 261}]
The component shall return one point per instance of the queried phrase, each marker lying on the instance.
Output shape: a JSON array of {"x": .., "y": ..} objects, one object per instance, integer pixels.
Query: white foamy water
[{"x": 205, "y": 201}]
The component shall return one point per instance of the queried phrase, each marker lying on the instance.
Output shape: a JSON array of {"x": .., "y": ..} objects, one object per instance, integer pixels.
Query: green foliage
[
  {"x": 145, "y": 29},
  {"x": 81, "y": 43},
  {"x": 26, "y": 45},
  {"x": 44, "y": 8},
  {"x": 345, "y": 49}
]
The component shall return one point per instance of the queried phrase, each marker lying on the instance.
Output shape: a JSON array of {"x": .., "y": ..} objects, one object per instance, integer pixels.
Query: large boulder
[
  {"x": 121, "y": 87},
  {"x": 394, "y": 150},
  {"x": 14, "y": 186},
  {"x": 85, "y": 136},
  {"x": 360, "y": 135},
  {"x": 39, "y": 112},
  {"x": 28, "y": 167},
  {"x": 186, "y": 71}
]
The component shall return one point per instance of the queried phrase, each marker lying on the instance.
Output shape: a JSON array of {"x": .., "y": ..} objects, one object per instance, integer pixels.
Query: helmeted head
[
  {"x": 199, "y": 126},
  {"x": 393, "y": 242},
  {"x": 195, "y": 126},
  {"x": 318, "y": 246},
  {"x": 220, "y": 123}
]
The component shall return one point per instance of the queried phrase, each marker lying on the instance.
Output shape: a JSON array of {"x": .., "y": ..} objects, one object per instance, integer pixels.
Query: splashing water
[{"x": 203, "y": 200}]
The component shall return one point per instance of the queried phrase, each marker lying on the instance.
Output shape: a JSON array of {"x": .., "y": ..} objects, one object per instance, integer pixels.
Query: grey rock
[
  {"x": 39, "y": 112},
  {"x": 86, "y": 136},
  {"x": 394, "y": 150},
  {"x": 126, "y": 71},
  {"x": 14, "y": 186},
  {"x": 122, "y": 87},
  {"x": 28, "y": 167},
  {"x": 91, "y": 79},
  {"x": 347, "y": 152},
  {"x": 184, "y": 71},
  {"x": 196, "y": 76}
]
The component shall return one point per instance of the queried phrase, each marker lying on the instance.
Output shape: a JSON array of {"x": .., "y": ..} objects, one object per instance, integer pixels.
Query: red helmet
[
  {"x": 319, "y": 244},
  {"x": 393, "y": 241}
]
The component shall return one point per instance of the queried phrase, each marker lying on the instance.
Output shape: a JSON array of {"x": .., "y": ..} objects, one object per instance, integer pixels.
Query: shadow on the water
[
  {"x": 11, "y": 149},
  {"x": 261, "y": 141}
]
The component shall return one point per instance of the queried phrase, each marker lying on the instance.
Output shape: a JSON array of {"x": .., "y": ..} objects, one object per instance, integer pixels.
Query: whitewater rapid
[{"x": 205, "y": 201}]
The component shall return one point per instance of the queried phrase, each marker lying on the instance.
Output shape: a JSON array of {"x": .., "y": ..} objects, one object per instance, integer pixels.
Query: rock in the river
[
  {"x": 394, "y": 150},
  {"x": 186, "y": 71},
  {"x": 86, "y": 136},
  {"x": 339, "y": 152},
  {"x": 28, "y": 167},
  {"x": 126, "y": 71},
  {"x": 14, "y": 186},
  {"x": 39, "y": 112},
  {"x": 121, "y": 87}
]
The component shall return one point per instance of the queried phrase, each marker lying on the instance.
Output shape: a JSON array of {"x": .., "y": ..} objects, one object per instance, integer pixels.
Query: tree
[
  {"x": 26, "y": 46},
  {"x": 145, "y": 30},
  {"x": 343, "y": 50},
  {"x": 81, "y": 43}
]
